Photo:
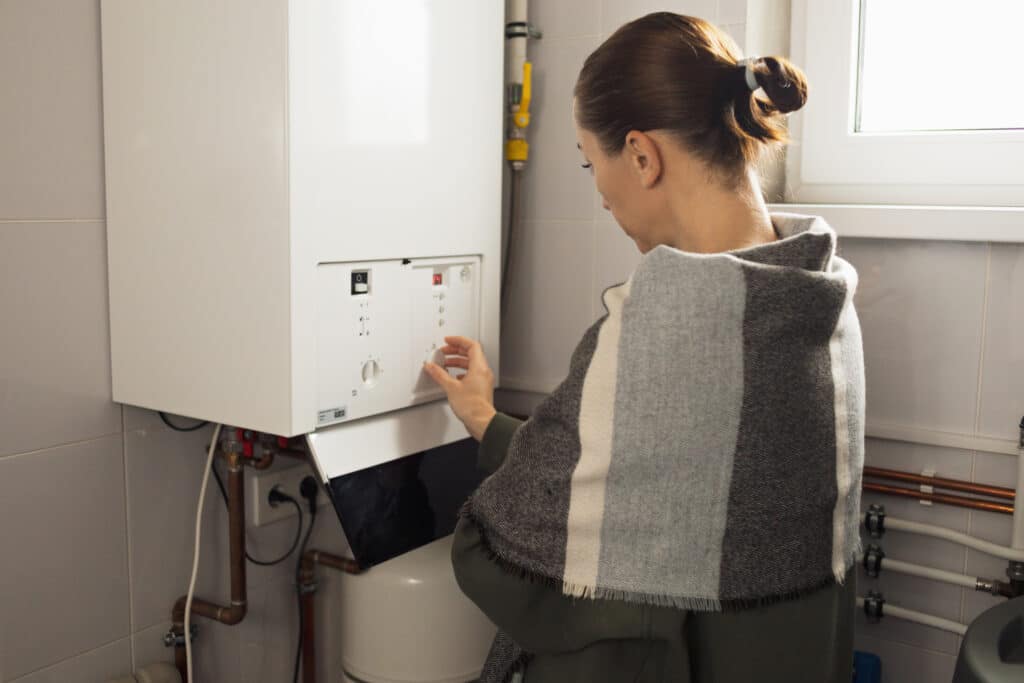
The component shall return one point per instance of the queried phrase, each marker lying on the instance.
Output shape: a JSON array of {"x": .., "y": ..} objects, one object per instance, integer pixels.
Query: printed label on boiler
[{"x": 332, "y": 415}]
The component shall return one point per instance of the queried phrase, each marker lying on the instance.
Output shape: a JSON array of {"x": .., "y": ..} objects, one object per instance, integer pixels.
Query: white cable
[
  {"x": 195, "y": 554},
  {"x": 919, "y": 618},
  {"x": 1002, "y": 552}
]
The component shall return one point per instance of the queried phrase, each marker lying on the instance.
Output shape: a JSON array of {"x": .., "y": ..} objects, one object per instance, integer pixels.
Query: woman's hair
[{"x": 681, "y": 74}]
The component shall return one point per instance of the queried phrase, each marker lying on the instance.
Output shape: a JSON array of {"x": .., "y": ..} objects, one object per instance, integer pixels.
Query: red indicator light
[{"x": 438, "y": 279}]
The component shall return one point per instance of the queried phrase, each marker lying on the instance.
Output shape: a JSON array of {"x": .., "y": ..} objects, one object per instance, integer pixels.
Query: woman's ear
[{"x": 644, "y": 158}]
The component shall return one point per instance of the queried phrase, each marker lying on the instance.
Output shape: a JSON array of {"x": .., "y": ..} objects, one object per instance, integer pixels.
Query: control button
[
  {"x": 436, "y": 356},
  {"x": 371, "y": 372},
  {"x": 440, "y": 323},
  {"x": 441, "y": 310},
  {"x": 360, "y": 282}
]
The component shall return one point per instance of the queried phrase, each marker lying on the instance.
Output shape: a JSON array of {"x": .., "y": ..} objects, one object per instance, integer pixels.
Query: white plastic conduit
[
  {"x": 1018, "y": 507},
  {"x": 919, "y": 618},
  {"x": 921, "y": 571},
  {"x": 516, "y": 10},
  {"x": 1000, "y": 551}
]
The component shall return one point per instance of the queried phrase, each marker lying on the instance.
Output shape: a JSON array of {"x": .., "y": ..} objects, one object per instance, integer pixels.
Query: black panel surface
[{"x": 401, "y": 505}]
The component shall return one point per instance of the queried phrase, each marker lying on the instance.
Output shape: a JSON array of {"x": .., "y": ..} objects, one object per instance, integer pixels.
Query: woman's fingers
[
  {"x": 457, "y": 362},
  {"x": 439, "y": 375},
  {"x": 467, "y": 347}
]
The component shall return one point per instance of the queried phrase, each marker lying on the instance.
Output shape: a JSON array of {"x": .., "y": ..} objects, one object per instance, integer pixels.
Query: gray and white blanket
[{"x": 705, "y": 451}]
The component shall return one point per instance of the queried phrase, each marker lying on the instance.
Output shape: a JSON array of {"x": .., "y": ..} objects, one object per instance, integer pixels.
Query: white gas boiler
[{"x": 303, "y": 200}]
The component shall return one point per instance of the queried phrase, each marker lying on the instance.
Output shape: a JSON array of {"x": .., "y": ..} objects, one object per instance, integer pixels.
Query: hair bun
[{"x": 783, "y": 83}]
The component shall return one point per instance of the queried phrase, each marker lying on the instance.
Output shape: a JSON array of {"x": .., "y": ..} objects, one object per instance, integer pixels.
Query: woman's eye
[{"x": 587, "y": 166}]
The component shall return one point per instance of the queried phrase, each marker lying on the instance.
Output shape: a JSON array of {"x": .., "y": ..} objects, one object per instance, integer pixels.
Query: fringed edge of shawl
[{"x": 693, "y": 604}]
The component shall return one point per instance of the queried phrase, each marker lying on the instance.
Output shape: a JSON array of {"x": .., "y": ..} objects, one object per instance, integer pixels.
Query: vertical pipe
[
  {"x": 308, "y": 627},
  {"x": 516, "y": 11},
  {"x": 511, "y": 231},
  {"x": 1017, "y": 540},
  {"x": 236, "y": 529},
  {"x": 181, "y": 661}
]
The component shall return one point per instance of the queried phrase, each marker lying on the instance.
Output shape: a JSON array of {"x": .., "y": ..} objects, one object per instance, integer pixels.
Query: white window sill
[{"x": 957, "y": 223}]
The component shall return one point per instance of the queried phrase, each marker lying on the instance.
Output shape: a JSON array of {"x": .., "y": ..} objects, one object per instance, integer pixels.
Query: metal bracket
[
  {"x": 874, "y": 520},
  {"x": 927, "y": 488},
  {"x": 873, "y": 557},
  {"x": 172, "y": 639},
  {"x": 874, "y": 606},
  {"x": 522, "y": 29}
]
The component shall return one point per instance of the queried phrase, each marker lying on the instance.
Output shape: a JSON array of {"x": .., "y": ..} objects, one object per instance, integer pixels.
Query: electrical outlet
[{"x": 260, "y": 511}]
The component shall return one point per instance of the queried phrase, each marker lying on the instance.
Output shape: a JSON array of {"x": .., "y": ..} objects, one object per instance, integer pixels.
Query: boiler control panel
[{"x": 378, "y": 321}]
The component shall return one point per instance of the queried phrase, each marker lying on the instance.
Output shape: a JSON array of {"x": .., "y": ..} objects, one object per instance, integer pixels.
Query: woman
[{"x": 684, "y": 506}]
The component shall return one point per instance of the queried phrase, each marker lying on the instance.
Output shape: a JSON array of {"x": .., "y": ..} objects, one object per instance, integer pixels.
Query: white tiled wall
[
  {"x": 942, "y": 326},
  {"x": 98, "y": 502},
  {"x": 569, "y": 249}
]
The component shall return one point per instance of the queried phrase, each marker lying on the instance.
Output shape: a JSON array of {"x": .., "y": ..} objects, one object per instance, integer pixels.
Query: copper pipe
[
  {"x": 308, "y": 627},
  {"x": 236, "y": 611},
  {"x": 939, "y": 482},
  {"x": 342, "y": 564},
  {"x": 264, "y": 461},
  {"x": 181, "y": 661},
  {"x": 958, "y": 501},
  {"x": 307, "y": 589},
  {"x": 297, "y": 453}
]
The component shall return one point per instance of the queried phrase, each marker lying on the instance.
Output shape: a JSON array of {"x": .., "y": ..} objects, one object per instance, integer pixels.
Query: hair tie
[{"x": 748, "y": 72}]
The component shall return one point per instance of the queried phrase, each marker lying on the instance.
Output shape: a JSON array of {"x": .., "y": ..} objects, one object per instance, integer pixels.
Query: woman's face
[
  {"x": 630, "y": 183},
  {"x": 615, "y": 182}
]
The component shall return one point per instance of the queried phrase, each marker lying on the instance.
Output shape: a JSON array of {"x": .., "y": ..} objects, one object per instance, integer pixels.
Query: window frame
[{"x": 829, "y": 162}]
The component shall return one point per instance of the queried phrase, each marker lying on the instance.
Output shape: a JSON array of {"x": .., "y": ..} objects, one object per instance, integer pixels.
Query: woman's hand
[{"x": 471, "y": 395}]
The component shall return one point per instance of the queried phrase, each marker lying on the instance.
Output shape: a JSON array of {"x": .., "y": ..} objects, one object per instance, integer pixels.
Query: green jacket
[{"x": 597, "y": 641}]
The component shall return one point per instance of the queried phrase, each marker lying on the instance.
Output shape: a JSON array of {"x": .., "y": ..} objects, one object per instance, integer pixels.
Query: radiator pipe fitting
[
  {"x": 234, "y": 613},
  {"x": 308, "y": 586}
]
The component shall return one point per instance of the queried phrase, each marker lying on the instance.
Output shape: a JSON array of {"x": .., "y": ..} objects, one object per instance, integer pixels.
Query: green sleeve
[{"x": 494, "y": 445}]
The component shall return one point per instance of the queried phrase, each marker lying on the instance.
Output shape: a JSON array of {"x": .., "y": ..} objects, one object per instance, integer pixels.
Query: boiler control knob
[
  {"x": 436, "y": 356},
  {"x": 371, "y": 372}
]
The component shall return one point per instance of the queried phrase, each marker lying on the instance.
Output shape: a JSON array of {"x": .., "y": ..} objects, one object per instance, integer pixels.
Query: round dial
[{"x": 371, "y": 372}]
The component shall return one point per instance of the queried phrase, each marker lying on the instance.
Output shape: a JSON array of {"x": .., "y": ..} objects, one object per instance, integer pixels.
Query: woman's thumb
[{"x": 438, "y": 374}]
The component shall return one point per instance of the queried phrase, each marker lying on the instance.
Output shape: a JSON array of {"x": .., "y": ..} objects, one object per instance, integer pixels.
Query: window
[{"x": 911, "y": 102}]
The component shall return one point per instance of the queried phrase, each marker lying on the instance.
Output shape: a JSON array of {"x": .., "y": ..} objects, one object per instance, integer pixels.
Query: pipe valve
[
  {"x": 874, "y": 606},
  {"x": 874, "y": 520},
  {"x": 873, "y": 557}
]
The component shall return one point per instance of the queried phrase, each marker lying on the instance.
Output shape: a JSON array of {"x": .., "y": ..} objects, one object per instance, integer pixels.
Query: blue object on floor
[{"x": 867, "y": 668}]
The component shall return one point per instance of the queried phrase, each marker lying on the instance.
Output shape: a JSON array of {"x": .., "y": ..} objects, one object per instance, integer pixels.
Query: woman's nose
[{"x": 604, "y": 203}]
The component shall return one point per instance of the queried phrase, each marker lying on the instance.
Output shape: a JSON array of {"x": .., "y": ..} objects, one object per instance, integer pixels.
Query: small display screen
[{"x": 402, "y": 505}]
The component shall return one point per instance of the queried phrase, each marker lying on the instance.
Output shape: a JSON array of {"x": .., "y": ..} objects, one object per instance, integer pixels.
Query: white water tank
[{"x": 406, "y": 621}]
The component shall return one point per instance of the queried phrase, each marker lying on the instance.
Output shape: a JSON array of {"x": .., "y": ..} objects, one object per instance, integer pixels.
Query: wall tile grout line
[
  {"x": 13, "y": 221},
  {"x": 977, "y": 409},
  {"x": 65, "y": 660},
  {"x": 984, "y": 335},
  {"x": 904, "y": 643},
  {"x": 128, "y": 544},
  {"x": 63, "y": 444}
]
